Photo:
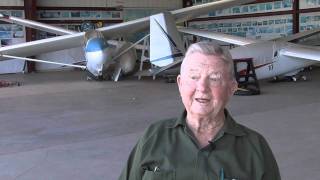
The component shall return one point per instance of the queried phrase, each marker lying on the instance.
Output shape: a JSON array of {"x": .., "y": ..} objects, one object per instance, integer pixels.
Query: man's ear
[
  {"x": 179, "y": 81},
  {"x": 234, "y": 86}
]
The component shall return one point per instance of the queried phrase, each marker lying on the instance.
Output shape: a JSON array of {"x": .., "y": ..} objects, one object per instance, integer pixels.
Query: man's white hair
[{"x": 211, "y": 49}]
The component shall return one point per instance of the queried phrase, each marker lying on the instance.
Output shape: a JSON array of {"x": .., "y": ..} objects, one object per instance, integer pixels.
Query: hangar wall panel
[
  {"x": 72, "y": 3},
  {"x": 172, "y": 4},
  {"x": 11, "y": 34},
  {"x": 309, "y": 21},
  {"x": 268, "y": 27},
  {"x": 259, "y": 27},
  {"x": 112, "y": 3},
  {"x": 305, "y": 4},
  {"x": 11, "y": 3},
  {"x": 253, "y": 8}
]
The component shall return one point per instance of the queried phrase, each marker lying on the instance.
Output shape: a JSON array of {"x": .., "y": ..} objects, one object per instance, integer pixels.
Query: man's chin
[
  {"x": 204, "y": 112},
  {"x": 201, "y": 113}
]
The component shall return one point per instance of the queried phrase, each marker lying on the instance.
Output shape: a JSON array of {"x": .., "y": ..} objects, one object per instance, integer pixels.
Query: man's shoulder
[
  {"x": 159, "y": 128},
  {"x": 248, "y": 131},
  {"x": 252, "y": 135},
  {"x": 160, "y": 125}
]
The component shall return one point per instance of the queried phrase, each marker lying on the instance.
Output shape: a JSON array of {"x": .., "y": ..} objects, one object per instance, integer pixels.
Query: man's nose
[{"x": 203, "y": 84}]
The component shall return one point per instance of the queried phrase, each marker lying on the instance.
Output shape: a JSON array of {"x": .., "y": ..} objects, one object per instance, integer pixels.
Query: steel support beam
[
  {"x": 30, "y": 10},
  {"x": 295, "y": 16},
  {"x": 186, "y": 3}
]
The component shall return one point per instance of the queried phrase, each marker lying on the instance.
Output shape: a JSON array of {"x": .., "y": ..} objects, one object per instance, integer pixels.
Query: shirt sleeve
[
  {"x": 270, "y": 163},
  {"x": 132, "y": 169}
]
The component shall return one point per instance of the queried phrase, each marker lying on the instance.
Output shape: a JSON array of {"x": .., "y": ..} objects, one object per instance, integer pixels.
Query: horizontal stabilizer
[
  {"x": 169, "y": 66},
  {"x": 166, "y": 69},
  {"x": 302, "y": 51}
]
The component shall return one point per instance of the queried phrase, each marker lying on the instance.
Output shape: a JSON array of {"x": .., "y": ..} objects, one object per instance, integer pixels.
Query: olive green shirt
[{"x": 168, "y": 151}]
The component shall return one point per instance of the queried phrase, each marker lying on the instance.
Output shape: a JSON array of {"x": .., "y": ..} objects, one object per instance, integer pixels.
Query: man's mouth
[{"x": 202, "y": 100}]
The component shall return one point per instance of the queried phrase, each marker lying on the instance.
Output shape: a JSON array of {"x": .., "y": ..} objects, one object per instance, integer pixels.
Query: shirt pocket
[{"x": 159, "y": 175}]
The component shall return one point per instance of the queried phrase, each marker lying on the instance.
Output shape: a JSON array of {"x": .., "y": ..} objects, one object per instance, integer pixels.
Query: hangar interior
[
  {"x": 58, "y": 126},
  {"x": 265, "y": 19}
]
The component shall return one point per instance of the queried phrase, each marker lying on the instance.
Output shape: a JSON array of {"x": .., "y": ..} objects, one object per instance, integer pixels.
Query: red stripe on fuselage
[{"x": 244, "y": 71}]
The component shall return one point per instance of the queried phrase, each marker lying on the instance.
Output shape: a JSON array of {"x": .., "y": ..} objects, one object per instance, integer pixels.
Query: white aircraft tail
[{"x": 165, "y": 41}]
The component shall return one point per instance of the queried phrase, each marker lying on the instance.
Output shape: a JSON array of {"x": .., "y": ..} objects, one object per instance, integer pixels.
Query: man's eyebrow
[
  {"x": 194, "y": 70},
  {"x": 215, "y": 73}
]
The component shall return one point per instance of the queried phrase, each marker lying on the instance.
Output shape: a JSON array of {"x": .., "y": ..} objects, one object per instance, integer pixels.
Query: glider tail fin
[{"x": 166, "y": 45}]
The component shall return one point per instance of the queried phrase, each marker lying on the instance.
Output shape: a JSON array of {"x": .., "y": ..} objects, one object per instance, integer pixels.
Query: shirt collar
[
  {"x": 180, "y": 121},
  {"x": 230, "y": 126}
]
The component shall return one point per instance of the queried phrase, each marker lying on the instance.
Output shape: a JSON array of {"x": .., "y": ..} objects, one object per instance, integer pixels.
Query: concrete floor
[{"x": 59, "y": 126}]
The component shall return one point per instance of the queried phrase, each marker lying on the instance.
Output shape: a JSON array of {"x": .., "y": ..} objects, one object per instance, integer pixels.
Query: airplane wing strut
[{"x": 43, "y": 61}]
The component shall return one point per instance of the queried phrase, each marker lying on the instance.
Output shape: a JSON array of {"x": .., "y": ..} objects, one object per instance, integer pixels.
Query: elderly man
[{"x": 205, "y": 143}]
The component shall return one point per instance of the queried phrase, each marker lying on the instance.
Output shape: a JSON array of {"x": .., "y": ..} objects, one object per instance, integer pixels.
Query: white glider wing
[
  {"x": 43, "y": 46},
  {"x": 302, "y": 52},
  {"x": 36, "y": 25},
  {"x": 111, "y": 32},
  {"x": 237, "y": 40}
]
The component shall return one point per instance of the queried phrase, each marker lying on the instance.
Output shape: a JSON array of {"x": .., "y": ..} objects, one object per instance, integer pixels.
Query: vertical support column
[
  {"x": 30, "y": 8},
  {"x": 186, "y": 3},
  {"x": 295, "y": 17}
]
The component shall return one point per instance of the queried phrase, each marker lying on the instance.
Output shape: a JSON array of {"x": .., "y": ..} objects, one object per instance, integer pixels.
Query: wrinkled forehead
[{"x": 200, "y": 62}]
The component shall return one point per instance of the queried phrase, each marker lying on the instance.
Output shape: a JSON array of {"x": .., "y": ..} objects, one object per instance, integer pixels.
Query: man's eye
[
  {"x": 194, "y": 77},
  {"x": 214, "y": 79}
]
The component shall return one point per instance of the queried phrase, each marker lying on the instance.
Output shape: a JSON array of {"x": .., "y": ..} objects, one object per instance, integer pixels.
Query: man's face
[{"x": 205, "y": 85}]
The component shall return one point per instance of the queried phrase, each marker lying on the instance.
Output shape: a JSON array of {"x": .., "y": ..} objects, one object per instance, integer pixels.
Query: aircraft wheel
[{"x": 304, "y": 78}]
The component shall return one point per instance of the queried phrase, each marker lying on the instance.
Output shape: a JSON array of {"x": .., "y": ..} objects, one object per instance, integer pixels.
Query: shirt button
[{"x": 213, "y": 146}]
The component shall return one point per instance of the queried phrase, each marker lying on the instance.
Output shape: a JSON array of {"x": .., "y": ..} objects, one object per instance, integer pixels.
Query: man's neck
[
  {"x": 205, "y": 128},
  {"x": 205, "y": 123}
]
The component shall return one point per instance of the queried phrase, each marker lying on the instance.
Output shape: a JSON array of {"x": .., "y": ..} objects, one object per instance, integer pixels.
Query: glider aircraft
[
  {"x": 273, "y": 58},
  {"x": 101, "y": 52}
]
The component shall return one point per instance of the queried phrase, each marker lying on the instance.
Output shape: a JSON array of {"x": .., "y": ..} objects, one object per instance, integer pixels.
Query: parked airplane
[
  {"x": 273, "y": 58},
  {"x": 100, "y": 53}
]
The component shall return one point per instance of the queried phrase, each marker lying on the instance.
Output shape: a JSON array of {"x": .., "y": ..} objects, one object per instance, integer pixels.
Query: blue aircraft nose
[{"x": 95, "y": 44}]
